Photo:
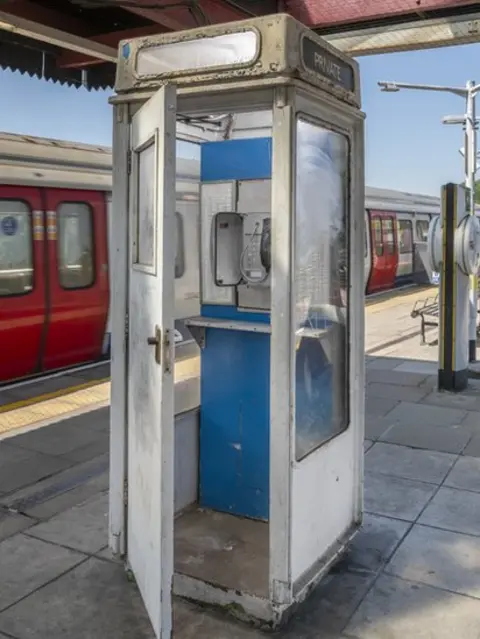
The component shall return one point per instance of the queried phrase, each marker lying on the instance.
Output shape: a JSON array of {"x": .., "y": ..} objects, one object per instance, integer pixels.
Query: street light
[{"x": 469, "y": 152}]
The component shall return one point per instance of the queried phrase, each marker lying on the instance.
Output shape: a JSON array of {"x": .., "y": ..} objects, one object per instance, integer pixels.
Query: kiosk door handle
[{"x": 156, "y": 341}]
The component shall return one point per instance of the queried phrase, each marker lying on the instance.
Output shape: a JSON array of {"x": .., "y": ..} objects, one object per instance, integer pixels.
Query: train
[{"x": 55, "y": 222}]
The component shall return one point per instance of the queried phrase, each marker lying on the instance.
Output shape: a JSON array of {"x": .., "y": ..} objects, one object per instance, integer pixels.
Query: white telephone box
[{"x": 237, "y": 464}]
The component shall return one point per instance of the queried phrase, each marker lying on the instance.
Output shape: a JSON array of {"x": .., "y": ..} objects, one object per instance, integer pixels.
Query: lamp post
[{"x": 469, "y": 122}]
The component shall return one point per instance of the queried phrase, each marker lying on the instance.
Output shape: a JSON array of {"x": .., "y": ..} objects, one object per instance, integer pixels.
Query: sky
[{"x": 407, "y": 146}]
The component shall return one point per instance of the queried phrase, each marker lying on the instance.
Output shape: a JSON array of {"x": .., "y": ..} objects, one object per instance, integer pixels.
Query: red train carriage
[{"x": 55, "y": 200}]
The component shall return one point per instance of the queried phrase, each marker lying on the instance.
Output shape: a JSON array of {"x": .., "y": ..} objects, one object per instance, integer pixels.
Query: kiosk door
[{"x": 151, "y": 355}]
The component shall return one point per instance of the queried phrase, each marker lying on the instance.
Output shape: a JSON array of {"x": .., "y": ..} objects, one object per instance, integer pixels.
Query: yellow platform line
[
  {"x": 54, "y": 408},
  {"x": 22, "y": 403},
  {"x": 58, "y": 404}
]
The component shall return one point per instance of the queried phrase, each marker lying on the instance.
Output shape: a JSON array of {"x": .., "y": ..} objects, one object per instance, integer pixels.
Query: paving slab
[
  {"x": 378, "y": 406},
  {"x": 473, "y": 447},
  {"x": 191, "y": 622},
  {"x": 465, "y": 474},
  {"x": 83, "y": 527},
  {"x": 395, "y": 377},
  {"x": 375, "y": 543},
  {"x": 439, "y": 558},
  {"x": 466, "y": 400},
  {"x": 396, "y": 497},
  {"x": 367, "y": 444},
  {"x": 21, "y": 467},
  {"x": 382, "y": 363},
  {"x": 61, "y": 438},
  {"x": 98, "y": 419},
  {"x": 99, "y": 446},
  {"x": 376, "y": 427},
  {"x": 453, "y": 509},
  {"x": 396, "y": 609},
  {"x": 94, "y": 600},
  {"x": 418, "y": 367},
  {"x": 400, "y": 461},
  {"x": 472, "y": 421},
  {"x": 46, "y": 491},
  {"x": 444, "y": 439},
  {"x": 396, "y": 392},
  {"x": 411, "y": 413},
  {"x": 330, "y": 606},
  {"x": 27, "y": 563},
  {"x": 12, "y": 523}
]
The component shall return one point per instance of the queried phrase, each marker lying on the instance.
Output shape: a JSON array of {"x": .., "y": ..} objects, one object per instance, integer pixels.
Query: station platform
[{"x": 413, "y": 571}]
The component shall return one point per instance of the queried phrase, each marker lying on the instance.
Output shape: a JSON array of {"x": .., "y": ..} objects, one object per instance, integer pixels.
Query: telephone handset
[{"x": 255, "y": 258}]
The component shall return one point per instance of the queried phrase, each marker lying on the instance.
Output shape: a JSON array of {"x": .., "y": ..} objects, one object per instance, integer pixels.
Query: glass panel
[
  {"x": 75, "y": 245},
  {"x": 321, "y": 281},
  {"x": 377, "y": 236},
  {"x": 179, "y": 246},
  {"x": 16, "y": 266},
  {"x": 405, "y": 242},
  {"x": 389, "y": 235},
  {"x": 422, "y": 230},
  {"x": 231, "y": 49},
  {"x": 146, "y": 209}
]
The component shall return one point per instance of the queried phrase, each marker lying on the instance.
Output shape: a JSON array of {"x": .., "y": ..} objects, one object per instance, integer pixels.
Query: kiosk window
[
  {"x": 321, "y": 287},
  {"x": 179, "y": 246},
  {"x": 16, "y": 261},
  {"x": 76, "y": 268}
]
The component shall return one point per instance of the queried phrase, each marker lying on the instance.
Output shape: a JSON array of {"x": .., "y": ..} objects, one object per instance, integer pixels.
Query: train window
[
  {"x": 405, "y": 240},
  {"x": 16, "y": 248},
  {"x": 377, "y": 236},
  {"x": 179, "y": 246},
  {"x": 75, "y": 246},
  {"x": 422, "y": 230},
  {"x": 388, "y": 235}
]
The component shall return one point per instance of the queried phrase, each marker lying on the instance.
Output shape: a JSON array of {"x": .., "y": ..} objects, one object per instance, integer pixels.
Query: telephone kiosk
[{"x": 243, "y": 491}]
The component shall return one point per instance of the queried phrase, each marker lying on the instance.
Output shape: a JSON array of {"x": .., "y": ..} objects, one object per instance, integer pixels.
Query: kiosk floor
[{"x": 223, "y": 550}]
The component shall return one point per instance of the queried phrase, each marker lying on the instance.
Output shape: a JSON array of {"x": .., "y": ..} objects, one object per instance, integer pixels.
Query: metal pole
[{"x": 470, "y": 171}]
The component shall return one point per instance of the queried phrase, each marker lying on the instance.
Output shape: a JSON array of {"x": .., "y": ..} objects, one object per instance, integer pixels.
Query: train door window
[
  {"x": 422, "y": 230},
  {"x": 16, "y": 248},
  {"x": 405, "y": 240},
  {"x": 389, "y": 235},
  {"x": 179, "y": 246},
  {"x": 377, "y": 236},
  {"x": 75, "y": 245}
]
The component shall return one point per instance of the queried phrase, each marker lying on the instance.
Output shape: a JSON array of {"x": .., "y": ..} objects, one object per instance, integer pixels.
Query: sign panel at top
[
  {"x": 318, "y": 60},
  {"x": 229, "y": 50}
]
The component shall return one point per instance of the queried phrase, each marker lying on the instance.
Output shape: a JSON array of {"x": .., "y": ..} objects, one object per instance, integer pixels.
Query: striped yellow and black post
[{"x": 453, "y": 297}]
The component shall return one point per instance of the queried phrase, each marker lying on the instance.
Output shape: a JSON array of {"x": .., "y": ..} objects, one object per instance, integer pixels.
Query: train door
[
  {"x": 78, "y": 276},
  {"x": 384, "y": 252},
  {"x": 404, "y": 273},
  {"x": 22, "y": 284}
]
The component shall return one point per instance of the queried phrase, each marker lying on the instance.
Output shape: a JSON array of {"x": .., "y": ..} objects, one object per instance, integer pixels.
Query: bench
[{"x": 427, "y": 310}]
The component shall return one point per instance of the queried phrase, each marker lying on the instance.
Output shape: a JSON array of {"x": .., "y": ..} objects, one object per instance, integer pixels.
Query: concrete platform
[{"x": 413, "y": 570}]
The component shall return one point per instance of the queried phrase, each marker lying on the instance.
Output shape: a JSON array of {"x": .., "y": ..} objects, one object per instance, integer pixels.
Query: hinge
[
  {"x": 125, "y": 492},
  {"x": 129, "y": 162},
  {"x": 126, "y": 330}
]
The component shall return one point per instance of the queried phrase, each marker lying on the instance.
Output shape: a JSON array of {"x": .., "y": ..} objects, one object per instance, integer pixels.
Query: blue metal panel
[
  {"x": 234, "y": 423},
  {"x": 248, "y": 159},
  {"x": 232, "y": 313}
]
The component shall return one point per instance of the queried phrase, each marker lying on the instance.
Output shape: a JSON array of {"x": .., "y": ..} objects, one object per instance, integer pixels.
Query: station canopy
[{"x": 75, "y": 41}]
